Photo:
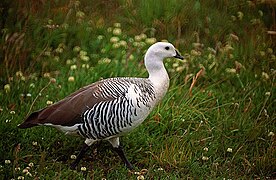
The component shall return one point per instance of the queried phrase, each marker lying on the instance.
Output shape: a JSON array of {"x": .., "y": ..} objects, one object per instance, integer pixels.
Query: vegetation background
[{"x": 216, "y": 122}]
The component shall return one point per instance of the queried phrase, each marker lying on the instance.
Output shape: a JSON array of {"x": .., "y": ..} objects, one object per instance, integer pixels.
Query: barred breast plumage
[{"x": 109, "y": 108}]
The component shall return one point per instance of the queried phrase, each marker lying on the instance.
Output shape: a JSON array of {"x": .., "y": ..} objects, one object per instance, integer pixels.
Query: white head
[
  {"x": 157, "y": 53},
  {"x": 163, "y": 50}
]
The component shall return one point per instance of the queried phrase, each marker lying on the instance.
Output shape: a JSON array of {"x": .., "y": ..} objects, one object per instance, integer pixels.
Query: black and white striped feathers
[{"x": 109, "y": 108}]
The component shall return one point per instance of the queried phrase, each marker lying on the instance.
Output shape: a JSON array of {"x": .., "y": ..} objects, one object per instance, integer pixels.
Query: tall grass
[{"x": 221, "y": 127}]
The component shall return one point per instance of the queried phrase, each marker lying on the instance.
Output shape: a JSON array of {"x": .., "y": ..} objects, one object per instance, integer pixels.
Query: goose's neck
[{"x": 157, "y": 73}]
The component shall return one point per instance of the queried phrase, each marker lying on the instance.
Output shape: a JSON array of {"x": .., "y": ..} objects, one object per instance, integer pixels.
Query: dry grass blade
[{"x": 198, "y": 74}]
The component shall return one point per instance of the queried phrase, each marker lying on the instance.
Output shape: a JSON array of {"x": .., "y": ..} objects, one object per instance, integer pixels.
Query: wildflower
[
  {"x": 105, "y": 60},
  {"x": 265, "y": 75},
  {"x": 21, "y": 177},
  {"x": 229, "y": 150},
  {"x": 233, "y": 18},
  {"x": 137, "y": 38},
  {"x": 76, "y": 49},
  {"x": 271, "y": 133},
  {"x": 80, "y": 14},
  {"x": 47, "y": 53},
  {"x": 205, "y": 149},
  {"x": 71, "y": 79},
  {"x": 7, "y": 161},
  {"x": 29, "y": 174},
  {"x": 100, "y": 37},
  {"x": 116, "y": 45},
  {"x": 7, "y": 88},
  {"x": 261, "y": 13},
  {"x": 12, "y": 112},
  {"x": 73, "y": 157},
  {"x": 240, "y": 15},
  {"x": 19, "y": 74},
  {"x": 143, "y": 36},
  {"x": 267, "y": 93},
  {"x": 17, "y": 169},
  {"x": 32, "y": 85},
  {"x": 83, "y": 168},
  {"x": 131, "y": 57},
  {"x": 231, "y": 70},
  {"x": 205, "y": 158},
  {"x": 25, "y": 171},
  {"x": 160, "y": 169},
  {"x": 150, "y": 40},
  {"x": 109, "y": 29},
  {"x": 73, "y": 67},
  {"x": 262, "y": 53},
  {"x": 49, "y": 102},
  {"x": 114, "y": 39},
  {"x": 140, "y": 177},
  {"x": 34, "y": 143},
  {"x": 117, "y": 31},
  {"x": 176, "y": 64},
  {"x": 123, "y": 43},
  {"x": 53, "y": 80},
  {"x": 85, "y": 66},
  {"x": 269, "y": 50},
  {"x": 83, "y": 53},
  {"x": 117, "y": 25},
  {"x": 85, "y": 58},
  {"x": 179, "y": 69},
  {"x": 228, "y": 48},
  {"x": 195, "y": 53},
  {"x": 29, "y": 95}
]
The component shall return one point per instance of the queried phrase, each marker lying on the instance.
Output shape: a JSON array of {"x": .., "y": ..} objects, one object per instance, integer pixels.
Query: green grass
[{"x": 224, "y": 128}]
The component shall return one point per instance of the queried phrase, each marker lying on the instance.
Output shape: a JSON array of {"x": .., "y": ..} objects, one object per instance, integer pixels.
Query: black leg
[
  {"x": 80, "y": 156},
  {"x": 119, "y": 150}
]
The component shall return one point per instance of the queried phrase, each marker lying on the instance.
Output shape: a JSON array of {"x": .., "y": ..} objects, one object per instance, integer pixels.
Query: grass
[{"x": 222, "y": 127}]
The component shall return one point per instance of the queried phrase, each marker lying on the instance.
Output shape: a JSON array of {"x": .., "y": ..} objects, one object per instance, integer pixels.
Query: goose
[{"x": 109, "y": 108}]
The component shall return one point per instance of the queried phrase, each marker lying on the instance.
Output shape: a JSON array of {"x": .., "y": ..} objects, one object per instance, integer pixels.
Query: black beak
[{"x": 178, "y": 56}]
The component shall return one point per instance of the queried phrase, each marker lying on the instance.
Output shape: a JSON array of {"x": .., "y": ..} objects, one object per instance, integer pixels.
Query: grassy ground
[{"x": 217, "y": 120}]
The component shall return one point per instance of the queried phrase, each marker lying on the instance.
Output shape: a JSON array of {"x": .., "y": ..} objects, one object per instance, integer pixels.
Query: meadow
[{"x": 217, "y": 121}]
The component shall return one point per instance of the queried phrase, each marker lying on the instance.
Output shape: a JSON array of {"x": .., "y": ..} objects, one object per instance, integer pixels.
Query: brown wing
[{"x": 68, "y": 111}]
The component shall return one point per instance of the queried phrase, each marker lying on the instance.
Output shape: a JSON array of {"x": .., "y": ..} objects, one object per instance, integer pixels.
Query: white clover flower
[
  {"x": 7, "y": 161},
  {"x": 83, "y": 53},
  {"x": 265, "y": 76},
  {"x": 195, "y": 52},
  {"x": 19, "y": 74},
  {"x": 114, "y": 39},
  {"x": 34, "y": 143},
  {"x": 85, "y": 58},
  {"x": 123, "y": 43},
  {"x": 17, "y": 169},
  {"x": 49, "y": 102},
  {"x": 83, "y": 168},
  {"x": 80, "y": 14},
  {"x": 271, "y": 133},
  {"x": 76, "y": 49},
  {"x": 73, "y": 156},
  {"x": 32, "y": 85},
  {"x": 85, "y": 66},
  {"x": 29, "y": 95},
  {"x": 115, "y": 45},
  {"x": 205, "y": 149},
  {"x": 262, "y": 53},
  {"x": 117, "y": 31},
  {"x": 229, "y": 150},
  {"x": 71, "y": 79},
  {"x": 131, "y": 57},
  {"x": 7, "y": 88},
  {"x": 231, "y": 70},
  {"x": 160, "y": 169},
  {"x": 150, "y": 40},
  {"x": 73, "y": 67},
  {"x": 117, "y": 25},
  {"x": 100, "y": 37},
  {"x": 240, "y": 15},
  {"x": 47, "y": 75},
  {"x": 267, "y": 93},
  {"x": 137, "y": 38},
  {"x": 140, "y": 177},
  {"x": 205, "y": 158},
  {"x": 12, "y": 112},
  {"x": 20, "y": 177},
  {"x": 25, "y": 171}
]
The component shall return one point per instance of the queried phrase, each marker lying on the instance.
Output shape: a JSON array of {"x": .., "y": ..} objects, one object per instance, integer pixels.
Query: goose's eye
[{"x": 167, "y": 47}]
